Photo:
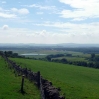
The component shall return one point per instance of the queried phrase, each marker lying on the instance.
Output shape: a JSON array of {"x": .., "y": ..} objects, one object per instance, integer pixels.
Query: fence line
[
  {"x": 46, "y": 88},
  {"x": 41, "y": 89}
]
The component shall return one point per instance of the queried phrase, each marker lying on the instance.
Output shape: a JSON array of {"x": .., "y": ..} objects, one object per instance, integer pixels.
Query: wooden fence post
[
  {"x": 22, "y": 84},
  {"x": 38, "y": 79}
]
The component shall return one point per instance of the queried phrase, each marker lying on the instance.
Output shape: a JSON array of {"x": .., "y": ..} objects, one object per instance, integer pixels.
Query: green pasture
[
  {"x": 76, "y": 82},
  {"x": 75, "y": 59},
  {"x": 10, "y": 85},
  {"x": 85, "y": 55},
  {"x": 79, "y": 54}
]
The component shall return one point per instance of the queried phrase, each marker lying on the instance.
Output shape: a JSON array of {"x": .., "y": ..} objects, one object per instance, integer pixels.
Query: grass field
[
  {"x": 76, "y": 82},
  {"x": 10, "y": 85}
]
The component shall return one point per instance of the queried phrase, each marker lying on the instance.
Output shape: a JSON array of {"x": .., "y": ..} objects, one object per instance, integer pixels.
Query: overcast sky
[{"x": 49, "y": 21}]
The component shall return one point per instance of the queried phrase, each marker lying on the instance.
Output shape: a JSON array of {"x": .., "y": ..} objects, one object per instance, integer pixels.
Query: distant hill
[
  {"x": 78, "y": 45},
  {"x": 70, "y": 45}
]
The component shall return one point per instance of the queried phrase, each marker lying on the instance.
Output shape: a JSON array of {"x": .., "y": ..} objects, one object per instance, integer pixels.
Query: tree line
[
  {"x": 11, "y": 54},
  {"x": 93, "y": 61}
]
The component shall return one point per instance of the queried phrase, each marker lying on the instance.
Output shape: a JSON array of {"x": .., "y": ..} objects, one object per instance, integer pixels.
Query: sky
[{"x": 49, "y": 21}]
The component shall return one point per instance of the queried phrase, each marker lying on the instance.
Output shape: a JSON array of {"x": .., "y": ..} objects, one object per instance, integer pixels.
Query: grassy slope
[
  {"x": 10, "y": 85},
  {"x": 76, "y": 82}
]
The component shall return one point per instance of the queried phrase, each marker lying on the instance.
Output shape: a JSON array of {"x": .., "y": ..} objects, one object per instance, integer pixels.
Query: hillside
[
  {"x": 10, "y": 85},
  {"x": 26, "y": 45},
  {"x": 75, "y": 82}
]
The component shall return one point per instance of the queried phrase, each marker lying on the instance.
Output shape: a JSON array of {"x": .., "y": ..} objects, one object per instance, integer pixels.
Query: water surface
[{"x": 32, "y": 54}]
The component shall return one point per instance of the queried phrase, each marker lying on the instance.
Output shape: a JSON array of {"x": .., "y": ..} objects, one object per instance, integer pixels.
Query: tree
[
  {"x": 64, "y": 60},
  {"x": 48, "y": 58},
  {"x": 96, "y": 58},
  {"x": 92, "y": 55},
  {"x": 90, "y": 64},
  {"x": 96, "y": 65}
]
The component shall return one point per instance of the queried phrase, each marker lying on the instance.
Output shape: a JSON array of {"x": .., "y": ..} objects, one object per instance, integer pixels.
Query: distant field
[
  {"x": 76, "y": 56},
  {"x": 10, "y": 85},
  {"x": 48, "y": 52},
  {"x": 40, "y": 51},
  {"x": 76, "y": 82},
  {"x": 80, "y": 54}
]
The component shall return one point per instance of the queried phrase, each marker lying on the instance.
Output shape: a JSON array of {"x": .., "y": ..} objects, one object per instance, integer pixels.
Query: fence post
[
  {"x": 38, "y": 79},
  {"x": 22, "y": 84}
]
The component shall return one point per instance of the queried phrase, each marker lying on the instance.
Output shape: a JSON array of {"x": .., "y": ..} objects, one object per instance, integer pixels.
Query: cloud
[
  {"x": 5, "y": 27},
  {"x": 42, "y": 7},
  {"x": 72, "y": 29},
  {"x": 14, "y": 9},
  {"x": 13, "y": 12},
  {"x": 81, "y": 9},
  {"x": 20, "y": 11},
  {"x": 7, "y": 15},
  {"x": 51, "y": 9},
  {"x": 4, "y": 2},
  {"x": 57, "y": 24},
  {"x": 69, "y": 33},
  {"x": 23, "y": 11}
]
